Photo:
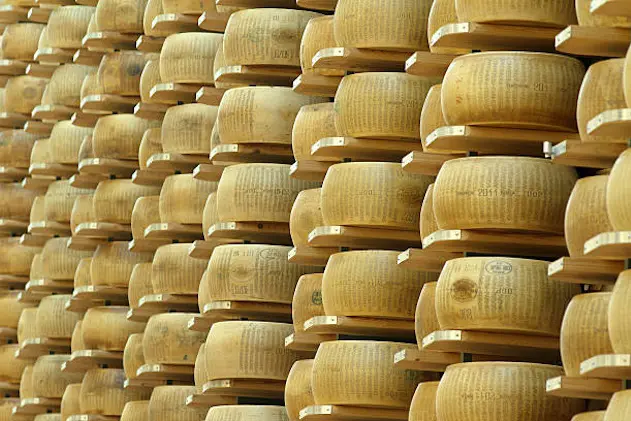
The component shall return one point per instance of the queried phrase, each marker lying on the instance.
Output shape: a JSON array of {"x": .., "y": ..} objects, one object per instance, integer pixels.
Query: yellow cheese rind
[
  {"x": 15, "y": 200},
  {"x": 442, "y": 12},
  {"x": 70, "y": 401},
  {"x": 68, "y": 25},
  {"x": 23, "y": 93},
  {"x": 423, "y": 407},
  {"x": 200, "y": 373},
  {"x": 10, "y": 367},
  {"x": 186, "y": 128},
  {"x": 102, "y": 392},
  {"x": 60, "y": 198},
  {"x": 6, "y": 408},
  {"x": 119, "y": 72},
  {"x": 305, "y": 216},
  {"x": 36, "y": 267},
  {"x": 60, "y": 262},
  {"x": 82, "y": 211},
  {"x": 48, "y": 379},
  {"x": 120, "y": 16},
  {"x": 65, "y": 141},
  {"x": 619, "y": 406},
  {"x": 133, "y": 357},
  {"x": 247, "y": 412},
  {"x": 136, "y": 411},
  {"x": 318, "y": 35},
  {"x": 427, "y": 220},
  {"x": 16, "y": 259},
  {"x": 82, "y": 274},
  {"x": 618, "y": 311},
  {"x": 542, "y": 13},
  {"x": 188, "y": 57},
  {"x": 146, "y": 211},
  {"x": 19, "y": 40},
  {"x": 150, "y": 145},
  {"x": 590, "y": 416},
  {"x": 118, "y": 136},
  {"x": 76, "y": 342},
  {"x": 313, "y": 122},
  {"x": 425, "y": 317},
  {"x": 307, "y": 300},
  {"x": 112, "y": 263},
  {"x": 619, "y": 193},
  {"x": 174, "y": 272},
  {"x": 298, "y": 393},
  {"x": 220, "y": 62},
  {"x": 13, "y": 311},
  {"x": 53, "y": 321},
  {"x": 40, "y": 154},
  {"x": 183, "y": 197},
  {"x": 114, "y": 200},
  {"x": 26, "y": 383},
  {"x": 586, "y": 18},
  {"x": 38, "y": 210},
  {"x": 167, "y": 340},
  {"x": 168, "y": 403},
  {"x": 149, "y": 78},
  {"x": 16, "y": 148},
  {"x": 26, "y": 325},
  {"x": 153, "y": 9},
  {"x": 64, "y": 87},
  {"x": 91, "y": 85},
  {"x": 209, "y": 216},
  {"x": 107, "y": 328},
  {"x": 139, "y": 283}
]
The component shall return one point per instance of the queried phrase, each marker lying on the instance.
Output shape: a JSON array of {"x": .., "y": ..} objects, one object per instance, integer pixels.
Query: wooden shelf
[
  {"x": 174, "y": 93},
  {"x": 258, "y": 388},
  {"x": 257, "y": 232},
  {"x": 247, "y": 310},
  {"x": 153, "y": 304},
  {"x": 310, "y": 170},
  {"x": 213, "y": 21},
  {"x": 31, "y": 240},
  {"x": 614, "y": 123},
  {"x": 141, "y": 245},
  {"x": 13, "y": 120},
  {"x": 201, "y": 249},
  {"x": 209, "y": 95},
  {"x": 150, "y": 111},
  {"x": 424, "y": 63},
  {"x": 173, "y": 23},
  {"x": 582, "y": 387},
  {"x": 149, "y": 177},
  {"x": 306, "y": 342},
  {"x": 12, "y": 67},
  {"x": 53, "y": 170},
  {"x": 258, "y": 75},
  {"x": 425, "y": 260},
  {"x": 82, "y": 119},
  {"x": 12, "y": 175},
  {"x": 180, "y": 233},
  {"x": 586, "y": 154},
  {"x": 38, "y": 127},
  {"x": 252, "y": 153},
  {"x": 359, "y": 60},
  {"x": 208, "y": 172},
  {"x": 12, "y": 227},
  {"x": 351, "y": 413},
  {"x": 13, "y": 14},
  {"x": 363, "y": 238},
  {"x": 305, "y": 255},
  {"x": 50, "y": 229},
  {"x": 324, "y": 5},
  {"x": 108, "y": 166},
  {"x": 84, "y": 243},
  {"x": 13, "y": 281},
  {"x": 166, "y": 372},
  {"x": 314, "y": 84},
  {"x": 609, "y": 245},
  {"x": 420, "y": 360},
  {"x": 204, "y": 401},
  {"x": 49, "y": 286},
  {"x": 9, "y": 390},
  {"x": 108, "y": 104},
  {"x": 41, "y": 70},
  {"x": 54, "y": 55},
  {"x": 609, "y": 366},
  {"x": 39, "y": 184},
  {"x": 585, "y": 270},
  {"x": 109, "y": 41},
  {"x": 37, "y": 406},
  {"x": 87, "y": 181},
  {"x": 610, "y": 8},
  {"x": 87, "y": 57},
  {"x": 593, "y": 41},
  {"x": 92, "y": 417},
  {"x": 39, "y": 14},
  {"x": 148, "y": 44},
  {"x": 419, "y": 162},
  {"x": 32, "y": 348},
  {"x": 176, "y": 163},
  {"x": 88, "y": 359},
  {"x": 252, "y": 4},
  {"x": 116, "y": 295},
  {"x": 144, "y": 383},
  {"x": 8, "y": 335},
  {"x": 395, "y": 329},
  {"x": 362, "y": 149},
  {"x": 104, "y": 230}
]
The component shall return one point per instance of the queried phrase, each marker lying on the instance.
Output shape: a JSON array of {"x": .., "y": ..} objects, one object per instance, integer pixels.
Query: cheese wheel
[
  {"x": 82, "y": 211},
  {"x": 423, "y": 407},
  {"x": 209, "y": 216},
  {"x": 220, "y": 62},
  {"x": 15, "y": 200},
  {"x": 525, "y": 400},
  {"x": 298, "y": 393},
  {"x": 139, "y": 283},
  {"x": 442, "y": 12},
  {"x": 258, "y": 192},
  {"x": 626, "y": 79},
  {"x": 265, "y": 36},
  {"x": 67, "y": 26},
  {"x": 247, "y": 412},
  {"x": 249, "y": 350},
  {"x": 318, "y": 35},
  {"x": 82, "y": 275},
  {"x": 501, "y": 294},
  {"x": 425, "y": 317},
  {"x": 584, "y": 332},
  {"x": 14, "y": 312},
  {"x": 619, "y": 332},
  {"x": 432, "y": 118},
  {"x": 76, "y": 342},
  {"x": 373, "y": 194},
  {"x": 361, "y": 373},
  {"x": 586, "y": 18},
  {"x": 369, "y": 283},
  {"x": 16, "y": 148},
  {"x": 602, "y": 89},
  {"x": 544, "y": 97},
  {"x": 53, "y": 321},
  {"x": 619, "y": 193},
  {"x": 26, "y": 383},
  {"x": 174, "y": 272},
  {"x": 48, "y": 379},
  {"x": 556, "y": 14},
  {"x": 64, "y": 87},
  {"x": 509, "y": 193},
  {"x": 19, "y": 40},
  {"x": 6, "y": 408},
  {"x": 586, "y": 213},
  {"x": 10, "y": 367},
  {"x": 65, "y": 141},
  {"x": 133, "y": 357},
  {"x": 313, "y": 122},
  {"x": 427, "y": 220},
  {"x": 114, "y": 199},
  {"x": 619, "y": 407},
  {"x": 107, "y": 328},
  {"x": 136, "y": 411},
  {"x": 167, "y": 340},
  {"x": 152, "y": 9},
  {"x": 120, "y": 16},
  {"x": 149, "y": 78},
  {"x": 307, "y": 300},
  {"x": 119, "y": 72},
  {"x": 150, "y": 144},
  {"x": 38, "y": 210},
  {"x": 59, "y": 261},
  {"x": 112, "y": 263},
  {"x": 70, "y": 401},
  {"x": 187, "y": 7},
  {"x": 90, "y": 85},
  {"x": 26, "y": 326},
  {"x": 183, "y": 197},
  {"x": 200, "y": 372},
  {"x": 188, "y": 57},
  {"x": 590, "y": 416},
  {"x": 102, "y": 392},
  {"x": 186, "y": 128},
  {"x": 23, "y": 93},
  {"x": 168, "y": 403},
  {"x": 16, "y": 259},
  {"x": 305, "y": 216},
  {"x": 144, "y": 213},
  {"x": 60, "y": 198},
  {"x": 40, "y": 154},
  {"x": 118, "y": 136}
]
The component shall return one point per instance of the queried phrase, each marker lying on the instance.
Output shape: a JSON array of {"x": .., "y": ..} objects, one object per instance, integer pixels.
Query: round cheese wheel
[
  {"x": 6, "y": 408},
  {"x": 307, "y": 300},
  {"x": 26, "y": 383},
  {"x": 584, "y": 332},
  {"x": 442, "y": 12},
  {"x": 425, "y": 317},
  {"x": 119, "y": 72},
  {"x": 373, "y": 194},
  {"x": 19, "y": 40},
  {"x": 76, "y": 342},
  {"x": 153, "y": 9},
  {"x": 65, "y": 141},
  {"x": 423, "y": 407},
  {"x": 313, "y": 122},
  {"x": 13, "y": 313},
  {"x": 149, "y": 78},
  {"x": 118, "y": 136},
  {"x": 167, "y": 340},
  {"x": 557, "y": 14},
  {"x": 107, "y": 328},
  {"x": 90, "y": 85},
  {"x": 258, "y": 192},
  {"x": 590, "y": 416},
  {"x": 183, "y": 197},
  {"x": 427, "y": 220},
  {"x": 102, "y": 392},
  {"x": 249, "y": 350},
  {"x": 526, "y": 401},
  {"x": 139, "y": 283},
  {"x": 15, "y": 200},
  {"x": 186, "y": 128},
  {"x": 265, "y": 36},
  {"x": 114, "y": 199},
  {"x": 619, "y": 192},
  {"x": 168, "y": 403},
  {"x": 135, "y": 411},
  {"x": 70, "y": 401},
  {"x": 40, "y": 154},
  {"x": 144, "y": 213},
  {"x": 501, "y": 294},
  {"x": 112, "y": 263},
  {"x": 10, "y": 367},
  {"x": 23, "y": 93},
  {"x": 26, "y": 326},
  {"x": 60, "y": 198},
  {"x": 64, "y": 87},
  {"x": 36, "y": 267},
  {"x": 243, "y": 412},
  {"x": 150, "y": 145},
  {"x": 305, "y": 216},
  {"x": 38, "y": 210},
  {"x": 200, "y": 373},
  {"x": 133, "y": 357},
  {"x": 619, "y": 407},
  {"x": 48, "y": 379},
  {"x": 16, "y": 148},
  {"x": 432, "y": 118},
  {"x": 220, "y": 62},
  {"x": 188, "y": 57},
  {"x": 544, "y": 96},
  {"x": 59, "y": 261},
  {"x": 298, "y": 393},
  {"x": 187, "y": 7},
  {"x": 82, "y": 275},
  {"x": 318, "y": 35},
  {"x": 509, "y": 193},
  {"x": 619, "y": 332},
  {"x": 16, "y": 259},
  {"x": 53, "y": 321},
  {"x": 210, "y": 216},
  {"x": 120, "y": 16},
  {"x": 68, "y": 25},
  {"x": 174, "y": 272},
  {"x": 82, "y": 211},
  {"x": 586, "y": 18}
]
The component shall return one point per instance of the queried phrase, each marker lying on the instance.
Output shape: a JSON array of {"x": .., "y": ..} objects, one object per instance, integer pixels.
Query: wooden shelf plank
[
  {"x": 424, "y": 63},
  {"x": 257, "y": 232},
  {"x": 149, "y": 177},
  {"x": 586, "y": 154},
  {"x": 150, "y": 111},
  {"x": 351, "y": 413},
  {"x": 263, "y": 388},
  {"x": 153, "y": 304},
  {"x": 609, "y": 245},
  {"x": 37, "y": 183},
  {"x": 173, "y": 23},
  {"x": 247, "y": 310},
  {"x": 13, "y": 281},
  {"x": 181, "y": 373},
  {"x": 39, "y": 14},
  {"x": 41, "y": 70},
  {"x": 420, "y": 360},
  {"x": 253, "y": 4},
  {"x": 209, "y": 95},
  {"x": 585, "y": 270},
  {"x": 360, "y": 60},
  {"x": 50, "y": 228},
  {"x": 252, "y": 153},
  {"x": 32, "y": 348},
  {"x": 314, "y": 84},
  {"x": 12, "y": 67},
  {"x": 87, "y": 57},
  {"x": 614, "y": 123},
  {"x": 84, "y": 243},
  {"x": 53, "y": 170},
  {"x": 49, "y": 286},
  {"x": 108, "y": 166},
  {"x": 258, "y": 75},
  {"x": 182, "y": 233},
  {"x": 107, "y": 104},
  {"x": 425, "y": 260},
  {"x": 8, "y": 335},
  {"x": 148, "y": 44},
  {"x": 208, "y": 172},
  {"x": 13, "y": 227},
  {"x": 38, "y": 127},
  {"x": 176, "y": 163},
  {"x": 86, "y": 119},
  {"x": 12, "y": 175},
  {"x": 87, "y": 359},
  {"x": 363, "y": 238},
  {"x": 13, "y": 120},
  {"x": 419, "y": 162},
  {"x": 610, "y": 8},
  {"x": 362, "y": 149},
  {"x": 593, "y": 41},
  {"x": 204, "y": 401},
  {"x": 582, "y": 387},
  {"x": 54, "y": 55},
  {"x": 37, "y": 406},
  {"x": 201, "y": 249},
  {"x": 12, "y": 14},
  {"x": 174, "y": 93},
  {"x": 306, "y": 342},
  {"x": 310, "y": 170},
  {"x": 323, "y": 5},
  {"x": 398, "y": 329},
  {"x": 33, "y": 240},
  {"x": 87, "y": 181},
  {"x": 609, "y": 366},
  {"x": 104, "y": 230},
  {"x": 141, "y": 245},
  {"x": 109, "y": 41},
  {"x": 213, "y": 21},
  {"x": 305, "y": 255}
]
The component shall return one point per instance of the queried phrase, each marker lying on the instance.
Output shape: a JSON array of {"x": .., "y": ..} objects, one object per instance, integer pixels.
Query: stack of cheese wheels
[
  {"x": 15, "y": 258},
  {"x": 558, "y": 14},
  {"x": 102, "y": 392},
  {"x": 168, "y": 403},
  {"x": 189, "y": 57},
  {"x": 53, "y": 321},
  {"x": 150, "y": 144},
  {"x": 48, "y": 379},
  {"x": 242, "y": 412},
  {"x": 245, "y": 114},
  {"x": 313, "y": 122},
  {"x": 514, "y": 403},
  {"x": 183, "y": 197},
  {"x": 139, "y": 283},
  {"x": 318, "y": 35},
  {"x": 152, "y": 9},
  {"x": 11, "y": 309},
  {"x": 167, "y": 340},
  {"x": 501, "y": 294},
  {"x": 468, "y": 100},
  {"x": 146, "y": 211},
  {"x": 585, "y": 332},
  {"x": 173, "y": 271},
  {"x": 149, "y": 78},
  {"x": 65, "y": 141},
  {"x": 60, "y": 198},
  {"x": 361, "y": 373},
  {"x": 305, "y": 216},
  {"x": 19, "y": 41},
  {"x": 119, "y": 72},
  {"x": 186, "y": 128},
  {"x": 82, "y": 211},
  {"x": 442, "y": 12},
  {"x": 508, "y": 193},
  {"x": 427, "y": 220},
  {"x": 70, "y": 401},
  {"x": 298, "y": 393},
  {"x": 26, "y": 383},
  {"x": 114, "y": 200},
  {"x": 107, "y": 328},
  {"x": 76, "y": 342},
  {"x": 23, "y": 93},
  {"x": 133, "y": 357},
  {"x": 249, "y": 350},
  {"x": 16, "y": 148},
  {"x": 586, "y": 18},
  {"x": 16, "y": 201},
  {"x": 369, "y": 283},
  {"x": 209, "y": 217},
  {"x": 10, "y": 367},
  {"x": 423, "y": 407},
  {"x": 112, "y": 263},
  {"x": 120, "y": 16},
  {"x": 258, "y": 193},
  {"x": 619, "y": 192},
  {"x": 27, "y": 326},
  {"x": 307, "y": 300},
  {"x": 60, "y": 262},
  {"x": 61, "y": 34},
  {"x": 618, "y": 310},
  {"x": 40, "y": 154},
  {"x": 425, "y": 317},
  {"x": 265, "y": 37},
  {"x": 118, "y": 136},
  {"x": 251, "y": 272},
  {"x": 136, "y": 411},
  {"x": 619, "y": 407},
  {"x": 586, "y": 213},
  {"x": 372, "y": 194},
  {"x": 64, "y": 87},
  {"x": 82, "y": 274}
]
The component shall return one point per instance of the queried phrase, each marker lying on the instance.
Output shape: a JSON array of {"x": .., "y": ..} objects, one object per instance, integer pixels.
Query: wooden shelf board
[
  {"x": 10, "y": 390},
  {"x": 104, "y": 230},
  {"x": 310, "y": 170},
  {"x": 247, "y": 310},
  {"x": 363, "y": 238},
  {"x": 84, "y": 243},
  {"x": 323, "y": 5},
  {"x": 53, "y": 170},
  {"x": 50, "y": 229},
  {"x": 176, "y": 163},
  {"x": 108, "y": 166},
  {"x": 425, "y": 260},
  {"x": 31, "y": 349},
  {"x": 39, "y": 184},
  {"x": 12, "y": 227},
  {"x": 82, "y": 119},
  {"x": 174, "y": 93},
  {"x": 351, "y": 413},
  {"x": 41, "y": 70},
  {"x": 87, "y": 57},
  {"x": 13, "y": 120},
  {"x": 359, "y": 60},
  {"x": 252, "y": 4},
  {"x": 39, "y": 14},
  {"x": 31, "y": 240},
  {"x": 109, "y": 41},
  {"x": 593, "y": 41},
  {"x": 316, "y": 256},
  {"x": 86, "y": 181},
  {"x": 182, "y": 233},
  {"x": 149, "y": 177},
  {"x": 12, "y": 175},
  {"x": 585, "y": 270},
  {"x": 12, "y": 67},
  {"x": 258, "y": 75},
  {"x": 396, "y": 329},
  {"x": 108, "y": 103},
  {"x": 420, "y": 360},
  {"x": 13, "y": 281},
  {"x": 424, "y": 63},
  {"x": 49, "y": 286},
  {"x": 419, "y": 162},
  {"x": 610, "y": 8},
  {"x": 306, "y": 342},
  {"x": 257, "y": 232},
  {"x": 117, "y": 295},
  {"x": 150, "y": 111},
  {"x": 252, "y": 153},
  {"x": 150, "y": 384},
  {"x": 153, "y": 304},
  {"x": 609, "y": 366},
  {"x": 182, "y": 373},
  {"x": 140, "y": 245},
  {"x": 362, "y": 149},
  {"x": 208, "y": 401},
  {"x": 586, "y": 154},
  {"x": 582, "y": 387},
  {"x": 201, "y": 249},
  {"x": 259, "y": 388},
  {"x": 314, "y": 84},
  {"x": 148, "y": 44},
  {"x": 8, "y": 335},
  {"x": 54, "y": 55},
  {"x": 13, "y": 14},
  {"x": 613, "y": 123},
  {"x": 37, "y": 406},
  {"x": 213, "y": 21},
  {"x": 38, "y": 127},
  {"x": 87, "y": 359},
  {"x": 209, "y": 95},
  {"x": 609, "y": 245},
  {"x": 173, "y": 23},
  {"x": 208, "y": 172},
  {"x": 199, "y": 323},
  {"x": 92, "y": 417}
]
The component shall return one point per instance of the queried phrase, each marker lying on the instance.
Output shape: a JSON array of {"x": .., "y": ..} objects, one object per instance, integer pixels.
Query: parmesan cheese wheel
[
  {"x": 258, "y": 192},
  {"x": 91, "y": 86},
  {"x": 305, "y": 216},
  {"x": 15, "y": 200},
  {"x": 586, "y": 213},
  {"x": 76, "y": 342},
  {"x": 36, "y": 267},
  {"x": 70, "y": 401},
  {"x": 174, "y": 272},
  {"x": 64, "y": 87},
  {"x": 200, "y": 372},
  {"x": 144, "y": 213},
  {"x": 557, "y": 14},
  {"x": 136, "y": 411},
  {"x": 120, "y": 16},
  {"x": 40, "y": 154},
  {"x": 307, "y": 300},
  {"x": 16, "y": 259},
  {"x": 260, "y": 114},
  {"x": 313, "y": 122},
  {"x": 619, "y": 193},
  {"x": 298, "y": 393},
  {"x": 501, "y": 294},
  {"x": 168, "y": 403},
  {"x": 26, "y": 326},
  {"x": 102, "y": 392},
  {"x": 167, "y": 340},
  {"x": 139, "y": 283},
  {"x": 48, "y": 379},
  {"x": 13, "y": 312},
  {"x": 361, "y": 373},
  {"x": 249, "y": 350},
  {"x": 119, "y": 72},
  {"x": 423, "y": 406},
  {"x": 118, "y": 136},
  {"x": 432, "y": 118},
  {"x": 619, "y": 407},
  {"x": 586, "y": 18},
  {"x": 150, "y": 145},
  {"x": 114, "y": 199},
  {"x": 442, "y": 12},
  {"x": 186, "y": 128},
  {"x": 510, "y": 193},
  {"x": 481, "y": 387},
  {"x": 187, "y": 7},
  {"x": 149, "y": 78},
  {"x": 16, "y": 148},
  {"x": 67, "y": 26},
  {"x": 188, "y": 57},
  {"x": 247, "y": 412},
  {"x": 369, "y": 283},
  {"x": 6, "y": 408},
  {"x": 318, "y": 35},
  {"x": 26, "y": 383},
  {"x": 133, "y": 357},
  {"x": 112, "y": 263},
  {"x": 183, "y": 197},
  {"x": 152, "y": 9},
  {"x": 373, "y": 194},
  {"x": 220, "y": 62},
  {"x": 19, "y": 40},
  {"x": 65, "y": 141},
  {"x": 53, "y": 321},
  {"x": 10, "y": 367},
  {"x": 107, "y": 328},
  {"x": 82, "y": 211},
  {"x": 60, "y": 198},
  {"x": 584, "y": 332},
  {"x": 38, "y": 210},
  {"x": 82, "y": 274},
  {"x": 619, "y": 331},
  {"x": 210, "y": 217},
  {"x": 427, "y": 221},
  {"x": 23, "y": 93},
  {"x": 529, "y": 90},
  {"x": 59, "y": 261},
  {"x": 425, "y": 317}
]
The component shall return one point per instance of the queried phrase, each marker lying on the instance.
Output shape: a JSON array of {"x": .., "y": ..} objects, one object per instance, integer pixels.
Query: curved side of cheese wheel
[
  {"x": 60, "y": 262},
  {"x": 139, "y": 283},
  {"x": 19, "y": 40},
  {"x": 305, "y": 216},
  {"x": 167, "y": 340},
  {"x": 183, "y": 197},
  {"x": 40, "y": 153},
  {"x": 16, "y": 259},
  {"x": 119, "y": 72},
  {"x": 425, "y": 317},
  {"x": 442, "y": 12},
  {"x": 16, "y": 148},
  {"x": 68, "y": 25},
  {"x": 150, "y": 145},
  {"x": 618, "y": 310},
  {"x": 136, "y": 411},
  {"x": 48, "y": 379},
  {"x": 107, "y": 328},
  {"x": 586, "y": 18},
  {"x": 102, "y": 392},
  {"x": 423, "y": 407},
  {"x": 60, "y": 198},
  {"x": 76, "y": 342},
  {"x": 16, "y": 201},
  {"x": 26, "y": 326},
  {"x": 149, "y": 78},
  {"x": 82, "y": 274},
  {"x": 174, "y": 272},
  {"x": 249, "y": 412},
  {"x": 200, "y": 373},
  {"x": 619, "y": 193},
  {"x": 557, "y": 14},
  {"x": 112, "y": 263},
  {"x": 118, "y": 136},
  {"x": 120, "y": 16},
  {"x": 210, "y": 214},
  {"x": 168, "y": 403},
  {"x": 36, "y": 267},
  {"x": 133, "y": 358},
  {"x": 114, "y": 200},
  {"x": 65, "y": 141},
  {"x": 10, "y": 367},
  {"x": 26, "y": 383},
  {"x": 64, "y": 87},
  {"x": 146, "y": 211},
  {"x": 38, "y": 210},
  {"x": 427, "y": 219},
  {"x": 23, "y": 93},
  {"x": 153, "y": 9},
  {"x": 70, "y": 401},
  {"x": 53, "y": 321},
  {"x": 90, "y": 85},
  {"x": 187, "y": 128},
  {"x": 82, "y": 211},
  {"x": 318, "y": 35},
  {"x": 220, "y": 62},
  {"x": 619, "y": 406},
  {"x": 298, "y": 393},
  {"x": 188, "y": 57},
  {"x": 313, "y": 122}
]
